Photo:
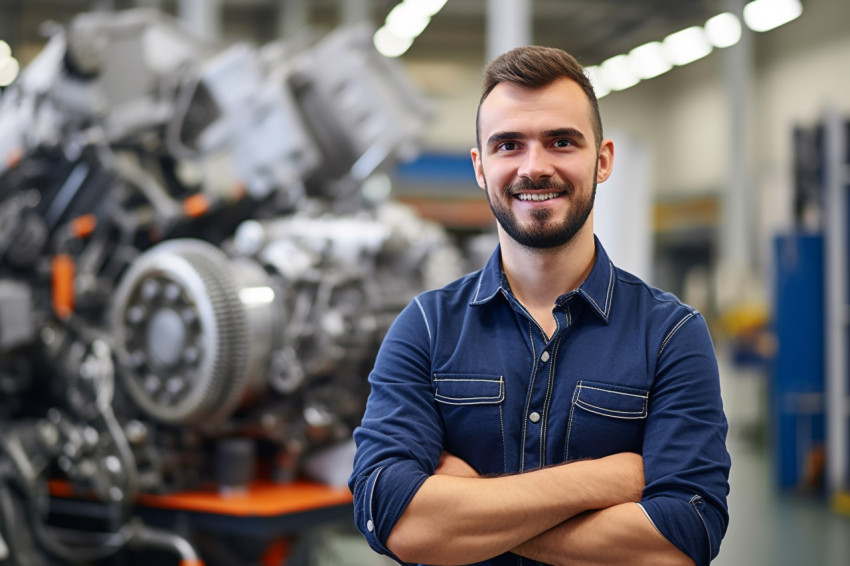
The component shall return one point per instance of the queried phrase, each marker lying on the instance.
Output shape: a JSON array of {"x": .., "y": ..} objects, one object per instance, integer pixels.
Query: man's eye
[
  {"x": 563, "y": 143},
  {"x": 507, "y": 146}
]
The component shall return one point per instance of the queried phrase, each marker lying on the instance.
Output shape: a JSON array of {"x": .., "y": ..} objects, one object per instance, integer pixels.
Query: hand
[{"x": 450, "y": 465}]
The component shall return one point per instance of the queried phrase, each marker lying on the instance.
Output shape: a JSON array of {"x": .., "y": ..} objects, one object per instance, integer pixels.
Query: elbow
[
  {"x": 403, "y": 543},
  {"x": 677, "y": 558},
  {"x": 413, "y": 546}
]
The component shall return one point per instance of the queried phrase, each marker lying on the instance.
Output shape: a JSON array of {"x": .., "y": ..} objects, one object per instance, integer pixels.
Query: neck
[{"x": 539, "y": 276}]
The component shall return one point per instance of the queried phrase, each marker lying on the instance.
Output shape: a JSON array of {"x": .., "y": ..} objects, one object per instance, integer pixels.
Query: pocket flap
[
  {"x": 612, "y": 400},
  {"x": 460, "y": 389}
]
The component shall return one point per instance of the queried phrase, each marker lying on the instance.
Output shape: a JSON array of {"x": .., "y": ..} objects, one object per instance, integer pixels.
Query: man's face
[{"x": 538, "y": 161}]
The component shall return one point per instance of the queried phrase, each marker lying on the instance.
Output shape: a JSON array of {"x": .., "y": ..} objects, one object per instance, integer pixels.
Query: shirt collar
[{"x": 597, "y": 290}]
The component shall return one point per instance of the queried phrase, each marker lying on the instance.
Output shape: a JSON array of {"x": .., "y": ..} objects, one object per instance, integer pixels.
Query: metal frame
[{"x": 837, "y": 178}]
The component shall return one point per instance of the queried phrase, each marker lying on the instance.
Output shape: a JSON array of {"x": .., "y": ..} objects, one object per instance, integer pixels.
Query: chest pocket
[
  {"x": 471, "y": 407},
  {"x": 605, "y": 419}
]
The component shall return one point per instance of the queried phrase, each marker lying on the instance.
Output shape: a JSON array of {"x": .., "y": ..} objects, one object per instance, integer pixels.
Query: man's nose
[{"x": 536, "y": 163}]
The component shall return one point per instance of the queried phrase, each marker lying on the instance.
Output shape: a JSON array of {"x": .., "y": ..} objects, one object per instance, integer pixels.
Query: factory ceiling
[{"x": 593, "y": 30}]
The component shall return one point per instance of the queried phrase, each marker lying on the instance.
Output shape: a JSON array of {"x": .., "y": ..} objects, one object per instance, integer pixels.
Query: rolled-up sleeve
[
  {"x": 400, "y": 437},
  {"x": 685, "y": 458}
]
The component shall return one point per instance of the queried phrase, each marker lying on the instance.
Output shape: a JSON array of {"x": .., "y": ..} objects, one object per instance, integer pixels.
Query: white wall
[{"x": 622, "y": 213}]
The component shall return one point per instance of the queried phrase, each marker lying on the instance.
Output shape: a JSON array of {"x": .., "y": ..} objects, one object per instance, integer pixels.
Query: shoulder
[
  {"x": 458, "y": 293},
  {"x": 432, "y": 307},
  {"x": 634, "y": 289},
  {"x": 662, "y": 310}
]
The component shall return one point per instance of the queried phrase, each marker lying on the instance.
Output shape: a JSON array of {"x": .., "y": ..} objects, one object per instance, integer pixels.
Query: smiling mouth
[{"x": 538, "y": 197}]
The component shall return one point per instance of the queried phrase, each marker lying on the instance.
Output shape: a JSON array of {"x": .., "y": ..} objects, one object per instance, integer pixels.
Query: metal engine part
[
  {"x": 182, "y": 333},
  {"x": 189, "y": 267}
]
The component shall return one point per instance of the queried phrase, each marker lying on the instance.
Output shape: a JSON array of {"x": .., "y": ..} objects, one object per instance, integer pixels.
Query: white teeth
[{"x": 537, "y": 196}]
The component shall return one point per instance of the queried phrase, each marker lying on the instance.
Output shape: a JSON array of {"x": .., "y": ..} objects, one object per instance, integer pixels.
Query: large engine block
[{"x": 198, "y": 261}]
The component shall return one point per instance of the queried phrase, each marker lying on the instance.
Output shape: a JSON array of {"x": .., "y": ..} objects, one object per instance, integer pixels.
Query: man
[{"x": 549, "y": 408}]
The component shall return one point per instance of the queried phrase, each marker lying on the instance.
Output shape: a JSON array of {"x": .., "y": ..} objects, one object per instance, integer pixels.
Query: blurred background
[{"x": 319, "y": 149}]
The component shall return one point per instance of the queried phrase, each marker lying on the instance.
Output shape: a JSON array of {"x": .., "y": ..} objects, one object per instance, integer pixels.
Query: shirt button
[
  {"x": 370, "y": 526},
  {"x": 534, "y": 417},
  {"x": 544, "y": 357}
]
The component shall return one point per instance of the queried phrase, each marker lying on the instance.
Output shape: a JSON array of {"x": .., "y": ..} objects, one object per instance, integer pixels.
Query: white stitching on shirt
[
  {"x": 425, "y": 318},
  {"x": 460, "y": 401},
  {"x": 672, "y": 332},
  {"x": 610, "y": 294},
  {"x": 528, "y": 397},
  {"x": 478, "y": 287},
  {"x": 581, "y": 386},
  {"x": 371, "y": 496},
  {"x": 570, "y": 423}
]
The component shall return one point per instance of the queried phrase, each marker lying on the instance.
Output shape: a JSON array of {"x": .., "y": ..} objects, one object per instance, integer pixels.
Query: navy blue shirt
[{"x": 629, "y": 368}]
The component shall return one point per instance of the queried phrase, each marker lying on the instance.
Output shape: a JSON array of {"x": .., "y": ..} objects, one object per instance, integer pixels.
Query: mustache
[{"x": 530, "y": 185}]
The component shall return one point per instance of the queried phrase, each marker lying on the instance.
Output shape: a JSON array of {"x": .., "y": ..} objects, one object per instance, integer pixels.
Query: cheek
[{"x": 497, "y": 177}]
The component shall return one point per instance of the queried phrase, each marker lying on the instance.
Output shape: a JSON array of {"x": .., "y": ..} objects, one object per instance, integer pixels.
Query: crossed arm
[{"x": 582, "y": 513}]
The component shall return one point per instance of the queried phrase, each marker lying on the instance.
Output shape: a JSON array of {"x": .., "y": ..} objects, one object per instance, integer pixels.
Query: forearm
[
  {"x": 458, "y": 520},
  {"x": 618, "y": 535}
]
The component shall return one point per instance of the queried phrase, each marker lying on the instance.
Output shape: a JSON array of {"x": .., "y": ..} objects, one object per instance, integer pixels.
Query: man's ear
[
  {"x": 605, "y": 161},
  {"x": 478, "y": 167}
]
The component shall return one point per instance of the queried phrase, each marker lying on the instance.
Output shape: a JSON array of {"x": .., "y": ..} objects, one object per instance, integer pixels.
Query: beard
[{"x": 542, "y": 233}]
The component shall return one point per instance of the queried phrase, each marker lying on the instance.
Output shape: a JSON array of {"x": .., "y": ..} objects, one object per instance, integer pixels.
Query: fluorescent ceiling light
[
  {"x": 405, "y": 20},
  {"x": 723, "y": 30},
  {"x": 764, "y": 15},
  {"x": 617, "y": 73},
  {"x": 686, "y": 46},
  {"x": 599, "y": 87},
  {"x": 9, "y": 68},
  {"x": 5, "y": 50},
  {"x": 390, "y": 45},
  {"x": 649, "y": 60}
]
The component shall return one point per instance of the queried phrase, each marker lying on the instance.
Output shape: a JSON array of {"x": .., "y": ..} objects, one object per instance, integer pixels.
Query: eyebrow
[
  {"x": 504, "y": 136},
  {"x": 556, "y": 133},
  {"x": 565, "y": 133}
]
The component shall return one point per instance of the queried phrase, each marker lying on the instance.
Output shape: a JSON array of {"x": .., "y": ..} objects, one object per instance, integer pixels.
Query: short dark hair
[{"x": 533, "y": 67}]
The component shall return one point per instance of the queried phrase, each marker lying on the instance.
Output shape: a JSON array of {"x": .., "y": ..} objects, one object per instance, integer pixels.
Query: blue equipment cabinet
[{"x": 797, "y": 384}]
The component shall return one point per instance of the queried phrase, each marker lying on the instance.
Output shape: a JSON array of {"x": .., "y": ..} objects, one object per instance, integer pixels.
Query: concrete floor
[{"x": 767, "y": 528}]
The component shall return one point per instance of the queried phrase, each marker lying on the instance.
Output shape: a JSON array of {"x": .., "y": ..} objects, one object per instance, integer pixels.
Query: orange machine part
[
  {"x": 62, "y": 268},
  {"x": 196, "y": 206},
  {"x": 276, "y": 553},
  {"x": 83, "y": 226},
  {"x": 13, "y": 158},
  {"x": 262, "y": 499}
]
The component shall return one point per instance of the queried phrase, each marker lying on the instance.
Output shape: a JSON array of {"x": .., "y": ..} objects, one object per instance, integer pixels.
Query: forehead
[{"x": 511, "y": 107}]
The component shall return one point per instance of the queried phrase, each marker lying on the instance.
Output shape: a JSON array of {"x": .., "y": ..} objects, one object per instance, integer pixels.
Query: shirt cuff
[
  {"x": 684, "y": 523},
  {"x": 380, "y": 499}
]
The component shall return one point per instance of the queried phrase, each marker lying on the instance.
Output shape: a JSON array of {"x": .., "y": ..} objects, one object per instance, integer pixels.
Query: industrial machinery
[{"x": 198, "y": 261}]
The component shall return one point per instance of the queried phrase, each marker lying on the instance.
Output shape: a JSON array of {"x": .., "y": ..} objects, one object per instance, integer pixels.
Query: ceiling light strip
[
  {"x": 688, "y": 45},
  {"x": 9, "y": 66},
  {"x": 405, "y": 22}
]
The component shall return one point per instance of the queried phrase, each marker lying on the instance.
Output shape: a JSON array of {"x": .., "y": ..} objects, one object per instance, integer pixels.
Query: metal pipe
[
  {"x": 837, "y": 177},
  {"x": 736, "y": 230},
  {"x": 509, "y": 25}
]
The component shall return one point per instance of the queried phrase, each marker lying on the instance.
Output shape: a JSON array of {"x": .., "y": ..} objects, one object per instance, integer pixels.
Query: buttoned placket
[{"x": 540, "y": 384}]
